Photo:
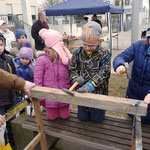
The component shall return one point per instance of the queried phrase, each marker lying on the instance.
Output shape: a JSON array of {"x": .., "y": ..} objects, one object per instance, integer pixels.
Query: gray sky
[{"x": 40, "y": 1}]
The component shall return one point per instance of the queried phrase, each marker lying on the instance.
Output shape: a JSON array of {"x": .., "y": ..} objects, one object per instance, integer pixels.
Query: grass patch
[{"x": 117, "y": 87}]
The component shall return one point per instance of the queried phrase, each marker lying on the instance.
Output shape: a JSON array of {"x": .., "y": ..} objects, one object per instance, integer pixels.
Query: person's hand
[
  {"x": 85, "y": 89},
  {"x": 147, "y": 99},
  {"x": 2, "y": 120},
  {"x": 80, "y": 81},
  {"x": 28, "y": 86},
  {"x": 120, "y": 70}
]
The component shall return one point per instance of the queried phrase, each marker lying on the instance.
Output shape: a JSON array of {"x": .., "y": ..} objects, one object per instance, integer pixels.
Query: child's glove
[
  {"x": 80, "y": 81},
  {"x": 87, "y": 88}
]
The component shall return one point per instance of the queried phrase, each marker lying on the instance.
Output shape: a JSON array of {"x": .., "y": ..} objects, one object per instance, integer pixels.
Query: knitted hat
[
  {"x": 26, "y": 52},
  {"x": 91, "y": 33},
  {"x": 27, "y": 44},
  {"x": 148, "y": 32},
  {"x": 20, "y": 32},
  {"x": 2, "y": 22},
  {"x": 52, "y": 40}
]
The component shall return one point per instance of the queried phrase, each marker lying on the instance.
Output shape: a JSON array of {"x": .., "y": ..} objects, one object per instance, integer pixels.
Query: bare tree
[{"x": 49, "y": 3}]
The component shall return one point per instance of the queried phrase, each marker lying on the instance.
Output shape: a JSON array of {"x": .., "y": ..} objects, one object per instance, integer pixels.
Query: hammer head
[
  {"x": 71, "y": 93},
  {"x": 128, "y": 72}
]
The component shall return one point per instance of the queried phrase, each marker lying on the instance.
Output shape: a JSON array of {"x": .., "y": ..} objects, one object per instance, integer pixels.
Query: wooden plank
[
  {"x": 95, "y": 127},
  {"x": 16, "y": 110},
  {"x": 145, "y": 129},
  {"x": 108, "y": 120},
  {"x": 34, "y": 142},
  {"x": 146, "y": 136},
  {"x": 59, "y": 124},
  {"x": 138, "y": 133},
  {"x": 91, "y": 100},
  {"x": 108, "y": 123},
  {"x": 146, "y": 146},
  {"x": 75, "y": 127},
  {"x": 39, "y": 123},
  {"x": 84, "y": 139}
]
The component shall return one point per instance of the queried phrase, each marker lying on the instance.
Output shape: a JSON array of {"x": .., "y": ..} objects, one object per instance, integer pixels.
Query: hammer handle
[
  {"x": 73, "y": 86},
  {"x": 123, "y": 72}
]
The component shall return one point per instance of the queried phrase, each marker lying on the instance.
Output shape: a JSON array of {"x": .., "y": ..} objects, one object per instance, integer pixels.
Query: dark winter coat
[
  {"x": 7, "y": 96},
  {"x": 139, "y": 84},
  {"x": 36, "y": 27}
]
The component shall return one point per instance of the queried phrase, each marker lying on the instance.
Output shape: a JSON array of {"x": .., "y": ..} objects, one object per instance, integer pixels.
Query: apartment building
[
  {"x": 11, "y": 8},
  {"x": 127, "y": 17}
]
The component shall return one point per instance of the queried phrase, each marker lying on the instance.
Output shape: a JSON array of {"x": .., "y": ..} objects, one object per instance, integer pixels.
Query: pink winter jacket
[{"x": 54, "y": 75}]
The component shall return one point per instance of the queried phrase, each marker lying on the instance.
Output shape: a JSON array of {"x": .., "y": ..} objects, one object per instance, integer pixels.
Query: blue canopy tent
[{"x": 77, "y": 7}]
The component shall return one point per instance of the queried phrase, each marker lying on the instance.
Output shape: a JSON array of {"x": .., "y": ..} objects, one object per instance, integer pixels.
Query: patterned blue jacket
[{"x": 24, "y": 72}]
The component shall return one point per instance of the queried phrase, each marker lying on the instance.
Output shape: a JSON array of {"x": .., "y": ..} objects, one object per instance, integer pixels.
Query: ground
[{"x": 117, "y": 87}]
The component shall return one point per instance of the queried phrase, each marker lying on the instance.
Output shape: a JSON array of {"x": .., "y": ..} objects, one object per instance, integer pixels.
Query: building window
[
  {"x": 127, "y": 2},
  {"x": 33, "y": 13},
  {"x": 117, "y": 3},
  {"x": 10, "y": 13}
]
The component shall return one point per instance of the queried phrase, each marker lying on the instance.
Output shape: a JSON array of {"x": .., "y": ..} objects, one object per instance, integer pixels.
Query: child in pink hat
[{"x": 51, "y": 70}]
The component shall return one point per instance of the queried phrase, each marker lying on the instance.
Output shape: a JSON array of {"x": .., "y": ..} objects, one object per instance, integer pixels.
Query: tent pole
[
  {"x": 110, "y": 31},
  {"x": 71, "y": 25},
  {"x": 121, "y": 25}
]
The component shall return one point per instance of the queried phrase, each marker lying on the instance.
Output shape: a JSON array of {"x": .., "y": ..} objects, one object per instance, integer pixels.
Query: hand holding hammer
[
  {"x": 123, "y": 69},
  {"x": 70, "y": 91}
]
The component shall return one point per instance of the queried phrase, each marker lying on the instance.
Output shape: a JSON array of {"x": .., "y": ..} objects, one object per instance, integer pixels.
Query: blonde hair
[{"x": 53, "y": 55}]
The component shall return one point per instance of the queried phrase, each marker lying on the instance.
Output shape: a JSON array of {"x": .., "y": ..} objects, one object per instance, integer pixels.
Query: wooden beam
[
  {"x": 39, "y": 123},
  {"x": 16, "y": 110},
  {"x": 138, "y": 134},
  {"x": 34, "y": 142},
  {"x": 91, "y": 100}
]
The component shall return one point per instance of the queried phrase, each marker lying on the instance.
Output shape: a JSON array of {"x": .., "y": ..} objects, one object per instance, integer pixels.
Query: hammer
[
  {"x": 70, "y": 91},
  {"x": 126, "y": 71}
]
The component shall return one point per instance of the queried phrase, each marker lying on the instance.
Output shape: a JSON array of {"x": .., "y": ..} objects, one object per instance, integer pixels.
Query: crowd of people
[{"x": 50, "y": 64}]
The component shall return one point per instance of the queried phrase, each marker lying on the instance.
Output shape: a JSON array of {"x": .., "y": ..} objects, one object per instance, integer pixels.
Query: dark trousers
[
  {"x": 9, "y": 134},
  {"x": 93, "y": 114}
]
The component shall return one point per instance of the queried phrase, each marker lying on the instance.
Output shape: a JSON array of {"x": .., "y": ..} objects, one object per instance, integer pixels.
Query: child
[
  {"x": 7, "y": 97},
  {"x": 90, "y": 66},
  {"x": 25, "y": 67},
  {"x": 21, "y": 38},
  {"x": 9, "y": 35},
  {"x": 51, "y": 70}
]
